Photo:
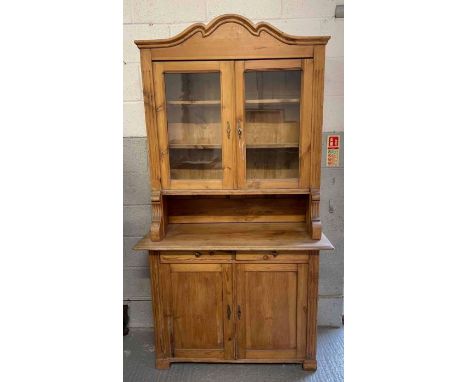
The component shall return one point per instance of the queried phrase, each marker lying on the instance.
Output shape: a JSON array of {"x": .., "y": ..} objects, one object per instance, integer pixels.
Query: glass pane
[
  {"x": 194, "y": 125},
  {"x": 272, "y": 111}
]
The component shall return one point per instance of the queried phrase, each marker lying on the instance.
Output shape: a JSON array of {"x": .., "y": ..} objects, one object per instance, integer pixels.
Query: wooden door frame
[
  {"x": 306, "y": 67},
  {"x": 301, "y": 311},
  {"x": 226, "y": 70}
]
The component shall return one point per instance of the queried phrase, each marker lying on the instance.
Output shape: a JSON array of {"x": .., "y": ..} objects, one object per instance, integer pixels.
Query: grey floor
[{"x": 139, "y": 359}]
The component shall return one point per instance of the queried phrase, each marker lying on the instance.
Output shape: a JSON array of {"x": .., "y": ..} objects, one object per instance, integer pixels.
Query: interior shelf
[
  {"x": 194, "y": 146},
  {"x": 236, "y": 237},
  {"x": 272, "y": 145},
  {"x": 272, "y": 100},
  {"x": 252, "y": 191},
  {"x": 201, "y": 102}
]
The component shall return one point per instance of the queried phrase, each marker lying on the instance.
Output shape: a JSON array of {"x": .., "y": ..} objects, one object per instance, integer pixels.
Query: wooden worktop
[{"x": 236, "y": 237}]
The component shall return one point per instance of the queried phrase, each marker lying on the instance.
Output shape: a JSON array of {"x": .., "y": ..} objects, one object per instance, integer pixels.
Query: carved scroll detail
[
  {"x": 158, "y": 221},
  {"x": 315, "y": 225}
]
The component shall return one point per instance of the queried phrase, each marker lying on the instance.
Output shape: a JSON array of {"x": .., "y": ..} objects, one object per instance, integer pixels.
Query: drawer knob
[
  {"x": 274, "y": 253},
  {"x": 197, "y": 254},
  {"x": 265, "y": 257}
]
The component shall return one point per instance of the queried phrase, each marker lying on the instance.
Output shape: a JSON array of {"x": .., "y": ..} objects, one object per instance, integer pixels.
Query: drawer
[
  {"x": 274, "y": 256},
  {"x": 195, "y": 256}
]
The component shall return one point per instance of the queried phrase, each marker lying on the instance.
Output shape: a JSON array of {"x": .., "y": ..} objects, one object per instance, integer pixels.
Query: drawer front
[
  {"x": 274, "y": 256},
  {"x": 195, "y": 256}
]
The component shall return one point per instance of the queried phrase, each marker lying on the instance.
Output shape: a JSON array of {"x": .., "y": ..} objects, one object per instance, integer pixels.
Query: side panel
[
  {"x": 161, "y": 332},
  {"x": 317, "y": 113},
  {"x": 312, "y": 292}
]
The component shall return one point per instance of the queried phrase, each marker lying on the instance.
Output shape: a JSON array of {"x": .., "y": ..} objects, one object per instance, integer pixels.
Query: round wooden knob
[
  {"x": 265, "y": 257},
  {"x": 197, "y": 254}
]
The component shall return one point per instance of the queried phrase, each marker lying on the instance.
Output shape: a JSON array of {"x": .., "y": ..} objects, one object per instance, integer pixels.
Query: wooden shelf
[
  {"x": 203, "y": 102},
  {"x": 272, "y": 145},
  {"x": 236, "y": 237},
  {"x": 258, "y": 191},
  {"x": 272, "y": 100},
  {"x": 194, "y": 146}
]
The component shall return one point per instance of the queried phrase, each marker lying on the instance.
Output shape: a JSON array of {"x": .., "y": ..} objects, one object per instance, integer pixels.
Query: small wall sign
[{"x": 333, "y": 150}]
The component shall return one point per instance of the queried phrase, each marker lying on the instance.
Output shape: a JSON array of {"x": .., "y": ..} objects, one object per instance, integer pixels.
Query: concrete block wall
[{"x": 152, "y": 19}]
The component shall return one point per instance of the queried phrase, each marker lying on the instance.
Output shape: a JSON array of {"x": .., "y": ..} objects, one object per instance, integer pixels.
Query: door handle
[
  {"x": 228, "y": 130},
  {"x": 238, "y": 312},
  {"x": 229, "y": 312}
]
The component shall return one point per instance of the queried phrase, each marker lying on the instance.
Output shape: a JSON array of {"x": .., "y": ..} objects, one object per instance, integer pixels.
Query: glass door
[
  {"x": 270, "y": 99},
  {"x": 194, "y": 116}
]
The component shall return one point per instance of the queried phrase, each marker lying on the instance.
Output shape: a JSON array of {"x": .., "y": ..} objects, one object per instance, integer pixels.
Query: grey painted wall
[{"x": 137, "y": 218}]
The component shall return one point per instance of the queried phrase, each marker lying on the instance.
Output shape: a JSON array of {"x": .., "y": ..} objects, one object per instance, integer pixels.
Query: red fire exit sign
[{"x": 333, "y": 150}]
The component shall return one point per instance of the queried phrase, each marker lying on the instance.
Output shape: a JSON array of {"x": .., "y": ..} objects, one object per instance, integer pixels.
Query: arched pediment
[{"x": 230, "y": 37}]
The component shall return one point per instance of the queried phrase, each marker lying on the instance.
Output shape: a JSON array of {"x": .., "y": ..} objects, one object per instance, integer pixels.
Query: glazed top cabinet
[
  {"x": 234, "y": 124},
  {"x": 234, "y": 108}
]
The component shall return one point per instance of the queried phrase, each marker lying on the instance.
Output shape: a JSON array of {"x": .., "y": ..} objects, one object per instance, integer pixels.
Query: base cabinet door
[
  {"x": 197, "y": 306},
  {"x": 271, "y": 311}
]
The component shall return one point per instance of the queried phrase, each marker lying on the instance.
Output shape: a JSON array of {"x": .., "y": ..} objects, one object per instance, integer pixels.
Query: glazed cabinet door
[
  {"x": 195, "y": 123},
  {"x": 197, "y": 305},
  {"x": 273, "y": 123},
  {"x": 271, "y": 311}
]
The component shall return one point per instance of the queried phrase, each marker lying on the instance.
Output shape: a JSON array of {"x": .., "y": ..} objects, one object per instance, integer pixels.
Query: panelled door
[
  {"x": 271, "y": 311},
  {"x": 195, "y": 123},
  {"x": 273, "y": 123},
  {"x": 197, "y": 305}
]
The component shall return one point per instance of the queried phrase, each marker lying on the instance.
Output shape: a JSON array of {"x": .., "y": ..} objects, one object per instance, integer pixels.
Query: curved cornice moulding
[{"x": 253, "y": 29}]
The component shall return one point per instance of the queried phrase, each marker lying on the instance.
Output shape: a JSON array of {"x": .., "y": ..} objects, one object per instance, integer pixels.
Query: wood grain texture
[
  {"x": 271, "y": 191},
  {"x": 210, "y": 28},
  {"x": 273, "y": 256},
  {"x": 317, "y": 114},
  {"x": 243, "y": 360},
  {"x": 306, "y": 123},
  {"x": 160, "y": 334},
  {"x": 237, "y": 209},
  {"x": 231, "y": 37},
  {"x": 228, "y": 306},
  {"x": 239, "y": 127},
  {"x": 228, "y": 123},
  {"x": 290, "y": 64},
  {"x": 309, "y": 365},
  {"x": 302, "y": 277},
  {"x": 197, "y": 305},
  {"x": 163, "y": 364},
  {"x": 313, "y": 222},
  {"x": 162, "y": 140},
  {"x": 165, "y": 293},
  {"x": 195, "y": 257},
  {"x": 234, "y": 246},
  {"x": 158, "y": 217},
  {"x": 312, "y": 304},
  {"x": 150, "y": 118},
  {"x": 271, "y": 310},
  {"x": 236, "y": 237}
]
